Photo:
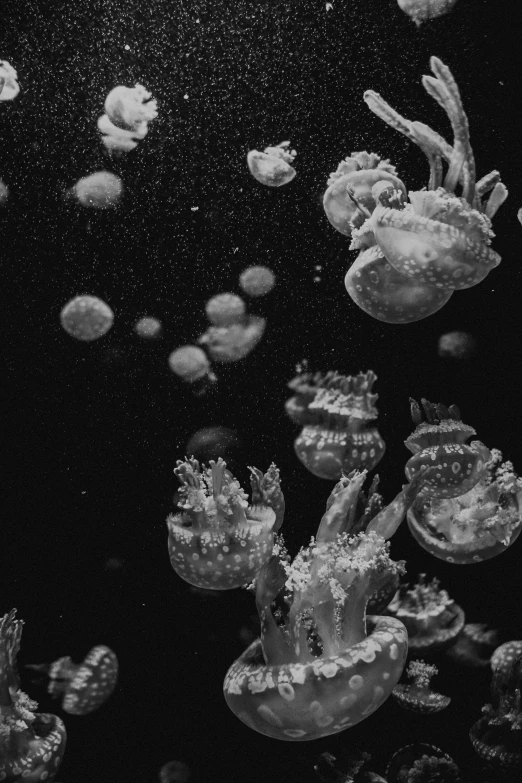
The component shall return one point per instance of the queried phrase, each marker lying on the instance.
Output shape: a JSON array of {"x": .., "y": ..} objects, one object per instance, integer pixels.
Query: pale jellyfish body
[
  {"x": 257, "y": 281},
  {"x": 422, "y": 10},
  {"x": 225, "y": 309},
  {"x": 272, "y": 167},
  {"x": 9, "y": 87},
  {"x": 129, "y": 110},
  {"x": 148, "y": 327},
  {"x": 4, "y": 192},
  {"x": 190, "y": 363},
  {"x": 86, "y": 318},
  {"x": 231, "y": 343},
  {"x": 101, "y": 190}
]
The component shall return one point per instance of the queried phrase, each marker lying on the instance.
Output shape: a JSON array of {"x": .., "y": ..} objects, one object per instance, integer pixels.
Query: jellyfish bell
[
  {"x": 190, "y": 363},
  {"x": 456, "y": 345},
  {"x": 86, "y": 318},
  {"x": 225, "y": 309},
  {"x": 272, "y": 167},
  {"x": 257, "y": 281},
  {"x": 175, "y": 772},
  {"x": 231, "y": 343},
  {"x": 4, "y": 192},
  {"x": 148, "y": 328},
  {"x": 101, "y": 190},
  {"x": 9, "y": 87},
  {"x": 422, "y": 10},
  {"x": 212, "y": 443},
  {"x": 130, "y": 108}
]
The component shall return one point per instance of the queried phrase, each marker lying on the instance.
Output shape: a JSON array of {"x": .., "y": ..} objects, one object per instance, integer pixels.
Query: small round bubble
[
  {"x": 189, "y": 363},
  {"x": 257, "y": 280},
  {"x": 225, "y": 309},
  {"x": 86, "y": 318}
]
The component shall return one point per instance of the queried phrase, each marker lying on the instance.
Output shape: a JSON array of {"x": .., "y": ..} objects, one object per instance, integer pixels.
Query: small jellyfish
[
  {"x": 272, "y": 167},
  {"x": 32, "y": 744},
  {"x": 422, "y": 10},
  {"x": 225, "y": 309},
  {"x": 418, "y": 696},
  {"x": 422, "y": 763},
  {"x": 4, "y": 192},
  {"x": 101, "y": 190},
  {"x": 9, "y": 87},
  {"x": 456, "y": 345},
  {"x": 433, "y": 619},
  {"x": 217, "y": 540},
  {"x": 439, "y": 441},
  {"x": 257, "y": 281},
  {"x": 211, "y": 443},
  {"x": 174, "y": 772},
  {"x": 191, "y": 364},
  {"x": 350, "y": 770},
  {"x": 336, "y": 435},
  {"x": 129, "y": 110},
  {"x": 86, "y": 318},
  {"x": 82, "y": 687},
  {"x": 474, "y": 645},
  {"x": 231, "y": 343},
  {"x": 147, "y": 327}
]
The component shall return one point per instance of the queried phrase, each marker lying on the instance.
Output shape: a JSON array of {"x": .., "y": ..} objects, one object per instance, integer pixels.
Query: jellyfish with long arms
[{"x": 321, "y": 664}]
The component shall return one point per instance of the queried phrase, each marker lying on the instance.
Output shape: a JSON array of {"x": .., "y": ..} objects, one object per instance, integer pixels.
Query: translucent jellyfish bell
[
  {"x": 456, "y": 345},
  {"x": 272, "y": 167},
  {"x": 86, "y": 318},
  {"x": 234, "y": 342},
  {"x": 101, "y": 190},
  {"x": 257, "y": 281},
  {"x": 422, "y": 10},
  {"x": 129, "y": 111},
  {"x": 4, "y": 193},
  {"x": 191, "y": 364},
  {"x": 148, "y": 328},
  {"x": 9, "y": 87},
  {"x": 225, "y": 309}
]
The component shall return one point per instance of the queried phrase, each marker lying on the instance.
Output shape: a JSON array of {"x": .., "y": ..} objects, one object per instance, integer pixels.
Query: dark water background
[{"x": 91, "y": 432}]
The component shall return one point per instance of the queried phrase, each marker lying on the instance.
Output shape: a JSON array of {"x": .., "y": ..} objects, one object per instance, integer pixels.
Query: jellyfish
[
  {"x": 348, "y": 199},
  {"x": 336, "y": 436},
  {"x": 456, "y": 345},
  {"x": 32, "y": 744},
  {"x": 211, "y": 443},
  {"x": 497, "y": 735},
  {"x": 148, "y": 328},
  {"x": 433, "y": 619},
  {"x": 225, "y": 309},
  {"x": 257, "y": 281},
  {"x": 438, "y": 239},
  {"x": 503, "y": 657},
  {"x": 128, "y": 112},
  {"x": 217, "y": 540},
  {"x": 191, "y": 364},
  {"x": 322, "y": 664},
  {"x": 329, "y": 771},
  {"x": 4, "y": 193},
  {"x": 439, "y": 441},
  {"x": 272, "y": 167},
  {"x": 418, "y": 696},
  {"x": 86, "y": 318},
  {"x": 174, "y": 772},
  {"x": 477, "y": 525},
  {"x": 101, "y": 190},
  {"x": 9, "y": 87},
  {"x": 422, "y": 763},
  {"x": 474, "y": 645},
  {"x": 82, "y": 687},
  {"x": 234, "y": 342},
  {"x": 306, "y": 384},
  {"x": 422, "y": 10}
]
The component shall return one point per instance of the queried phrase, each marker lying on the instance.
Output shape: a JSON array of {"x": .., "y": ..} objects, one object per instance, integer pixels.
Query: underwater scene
[{"x": 261, "y": 450}]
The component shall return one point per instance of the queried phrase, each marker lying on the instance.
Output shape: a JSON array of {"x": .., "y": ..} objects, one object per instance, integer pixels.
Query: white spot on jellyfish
[
  {"x": 269, "y": 716},
  {"x": 356, "y": 682},
  {"x": 455, "y": 467},
  {"x": 394, "y": 652},
  {"x": 286, "y": 691}
]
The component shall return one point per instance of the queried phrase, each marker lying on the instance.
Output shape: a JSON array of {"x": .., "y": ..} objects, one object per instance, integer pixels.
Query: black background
[{"x": 91, "y": 432}]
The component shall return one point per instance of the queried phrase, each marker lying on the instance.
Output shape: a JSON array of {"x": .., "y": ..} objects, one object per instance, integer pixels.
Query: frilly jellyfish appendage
[
  {"x": 377, "y": 288},
  {"x": 497, "y": 735},
  {"x": 272, "y": 167},
  {"x": 422, "y": 763},
  {"x": 9, "y": 87},
  {"x": 417, "y": 696},
  {"x": 439, "y": 442},
  {"x": 336, "y": 436},
  {"x": 439, "y": 239},
  {"x": 31, "y": 744},
  {"x": 328, "y": 770},
  {"x": 433, "y": 619},
  {"x": 131, "y": 108},
  {"x": 234, "y": 342},
  {"x": 475, "y": 526},
  {"x": 218, "y": 541},
  {"x": 422, "y": 10},
  {"x": 323, "y": 665},
  {"x": 348, "y": 200},
  {"x": 305, "y": 386}
]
